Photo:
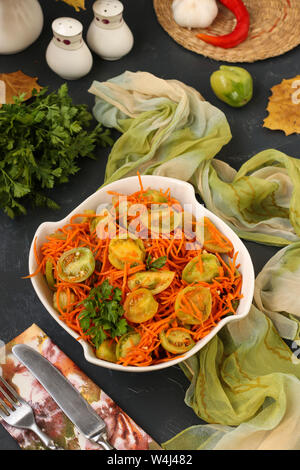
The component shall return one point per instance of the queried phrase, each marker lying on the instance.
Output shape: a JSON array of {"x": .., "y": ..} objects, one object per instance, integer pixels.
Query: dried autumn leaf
[
  {"x": 14, "y": 84},
  {"x": 77, "y": 4},
  {"x": 284, "y": 107}
]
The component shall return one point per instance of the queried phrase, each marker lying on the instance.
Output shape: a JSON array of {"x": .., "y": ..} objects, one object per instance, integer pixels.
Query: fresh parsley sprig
[
  {"x": 102, "y": 313},
  {"x": 156, "y": 264},
  {"x": 40, "y": 145}
]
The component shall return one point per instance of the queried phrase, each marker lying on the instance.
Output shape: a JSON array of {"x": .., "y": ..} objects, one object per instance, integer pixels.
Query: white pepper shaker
[
  {"x": 67, "y": 54},
  {"x": 108, "y": 35}
]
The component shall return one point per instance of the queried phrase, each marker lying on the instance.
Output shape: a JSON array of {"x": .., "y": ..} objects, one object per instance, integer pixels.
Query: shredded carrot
[{"x": 140, "y": 180}]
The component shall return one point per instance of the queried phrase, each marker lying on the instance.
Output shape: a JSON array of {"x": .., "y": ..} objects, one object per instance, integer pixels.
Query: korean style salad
[{"x": 140, "y": 279}]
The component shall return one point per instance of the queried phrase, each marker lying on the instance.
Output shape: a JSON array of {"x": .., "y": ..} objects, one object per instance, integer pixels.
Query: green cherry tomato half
[
  {"x": 76, "y": 265},
  {"x": 140, "y": 306},
  {"x": 154, "y": 195},
  {"x": 126, "y": 250},
  {"x": 63, "y": 300},
  {"x": 49, "y": 274},
  {"x": 155, "y": 281},
  {"x": 103, "y": 218},
  {"x": 211, "y": 238},
  {"x": 107, "y": 351},
  {"x": 161, "y": 218},
  {"x": 202, "y": 268},
  {"x": 58, "y": 235},
  {"x": 193, "y": 305},
  {"x": 188, "y": 222},
  {"x": 176, "y": 342},
  {"x": 233, "y": 85},
  {"x": 89, "y": 214},
  {"x": 126, "y": 342}
]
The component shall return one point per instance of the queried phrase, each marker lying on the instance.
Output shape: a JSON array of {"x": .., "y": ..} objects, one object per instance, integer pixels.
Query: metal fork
[{"x": 19, "y": 414}]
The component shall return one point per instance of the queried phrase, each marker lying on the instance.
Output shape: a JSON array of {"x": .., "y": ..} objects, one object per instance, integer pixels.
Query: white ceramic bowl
[{"x": 185, "y": 194}]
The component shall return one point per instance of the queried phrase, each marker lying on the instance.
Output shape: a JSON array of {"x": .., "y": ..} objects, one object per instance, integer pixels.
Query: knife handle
[{"x": 103, "y": 441}]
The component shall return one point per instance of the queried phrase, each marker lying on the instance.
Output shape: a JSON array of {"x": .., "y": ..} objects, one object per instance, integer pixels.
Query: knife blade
[{"x": 64, "y": 394}]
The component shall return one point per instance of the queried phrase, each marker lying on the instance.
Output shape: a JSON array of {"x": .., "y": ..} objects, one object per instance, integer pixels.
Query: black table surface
[{"x": 154, "y": 400}]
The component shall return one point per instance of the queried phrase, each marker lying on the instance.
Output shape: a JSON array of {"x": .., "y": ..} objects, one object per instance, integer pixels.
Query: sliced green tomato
[
  {"x": 49, "y": 274},
  {"x": 93, "y": 221},
  {"x": 88, "y": 213},
  {"x": 161, "y": 219},
  {"x": 121, "y": 205},
  {"x": 202, "y": 268},
  {"x": 211, "y": 238},
  {"x": 115, "y": 200},
  {"x": 140, "y": 306},
  {"x": 63, "y": 299},
  {"x": 188, "y": 222},
  {"x": 176, "y": 342},
  {"x": 193, "y": 305},
  {"x": 126, "y": 342},
  {"x": 93, "y": 224},
  {"x": 126, "y": 250},
  {"x": 155, "y": 196},
  {"x": 237, "y": 273},
  {"x": 103, "y": 218},
  {"x": 107, "y": 351},
  {"x": 235, "y": 303},
  {"x": 76, "y": 265},
  {"x": 58, "y": 235},
  {"x": 156, "y": 282}
]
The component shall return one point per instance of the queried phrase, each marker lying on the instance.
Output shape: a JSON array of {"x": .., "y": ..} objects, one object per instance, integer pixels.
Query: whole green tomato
[{"x": 233, "y": 85}]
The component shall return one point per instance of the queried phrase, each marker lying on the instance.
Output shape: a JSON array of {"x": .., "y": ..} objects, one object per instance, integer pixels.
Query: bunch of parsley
[
  {"x": 40, "y": 144},
  {"x": 103, "y": 313}
]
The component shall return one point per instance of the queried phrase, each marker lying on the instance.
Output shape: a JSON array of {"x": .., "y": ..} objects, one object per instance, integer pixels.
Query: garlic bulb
[{"x": 194, "y": 13}]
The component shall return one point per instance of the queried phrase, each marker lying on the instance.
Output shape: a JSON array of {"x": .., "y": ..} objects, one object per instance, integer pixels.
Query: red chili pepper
[{"x": 240, "y": 32}]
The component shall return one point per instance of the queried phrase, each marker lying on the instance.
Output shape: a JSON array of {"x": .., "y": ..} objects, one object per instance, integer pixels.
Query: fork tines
[{"x": 13, "y": 401}]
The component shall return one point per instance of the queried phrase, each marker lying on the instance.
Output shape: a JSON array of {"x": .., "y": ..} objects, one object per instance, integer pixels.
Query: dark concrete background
[{"x": 154, "y": 400}]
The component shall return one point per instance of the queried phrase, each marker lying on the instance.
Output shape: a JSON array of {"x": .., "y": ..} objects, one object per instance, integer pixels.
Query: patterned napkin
[{"x": 123, "y": 433}]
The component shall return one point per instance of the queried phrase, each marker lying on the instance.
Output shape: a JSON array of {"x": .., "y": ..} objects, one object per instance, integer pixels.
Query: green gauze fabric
[
  {"x": 245, "y": 381},
  {"x": 261, "y": 201},
  {"x": 167, "y": 129},
  {"x": 277, "y": 291}
]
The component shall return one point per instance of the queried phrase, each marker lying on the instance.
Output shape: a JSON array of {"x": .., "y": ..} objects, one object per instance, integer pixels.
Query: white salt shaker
[
  {"x": 108, "y": 35},
  {"x": 67, "y": 54}
]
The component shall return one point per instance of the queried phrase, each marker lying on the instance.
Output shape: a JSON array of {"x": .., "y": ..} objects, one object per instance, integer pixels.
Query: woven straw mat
[{"x": 275, "y": 29}]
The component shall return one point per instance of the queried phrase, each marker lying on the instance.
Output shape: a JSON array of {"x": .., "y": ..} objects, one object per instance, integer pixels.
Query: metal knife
[{"x": 64, "y": 394}]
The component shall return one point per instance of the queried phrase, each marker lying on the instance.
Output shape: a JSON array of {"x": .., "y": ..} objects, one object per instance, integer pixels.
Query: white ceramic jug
[
  {"x": 21, "y": 23},
  {"x": 108, "y": 35},
  {"x": 67, "y": 54}
]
